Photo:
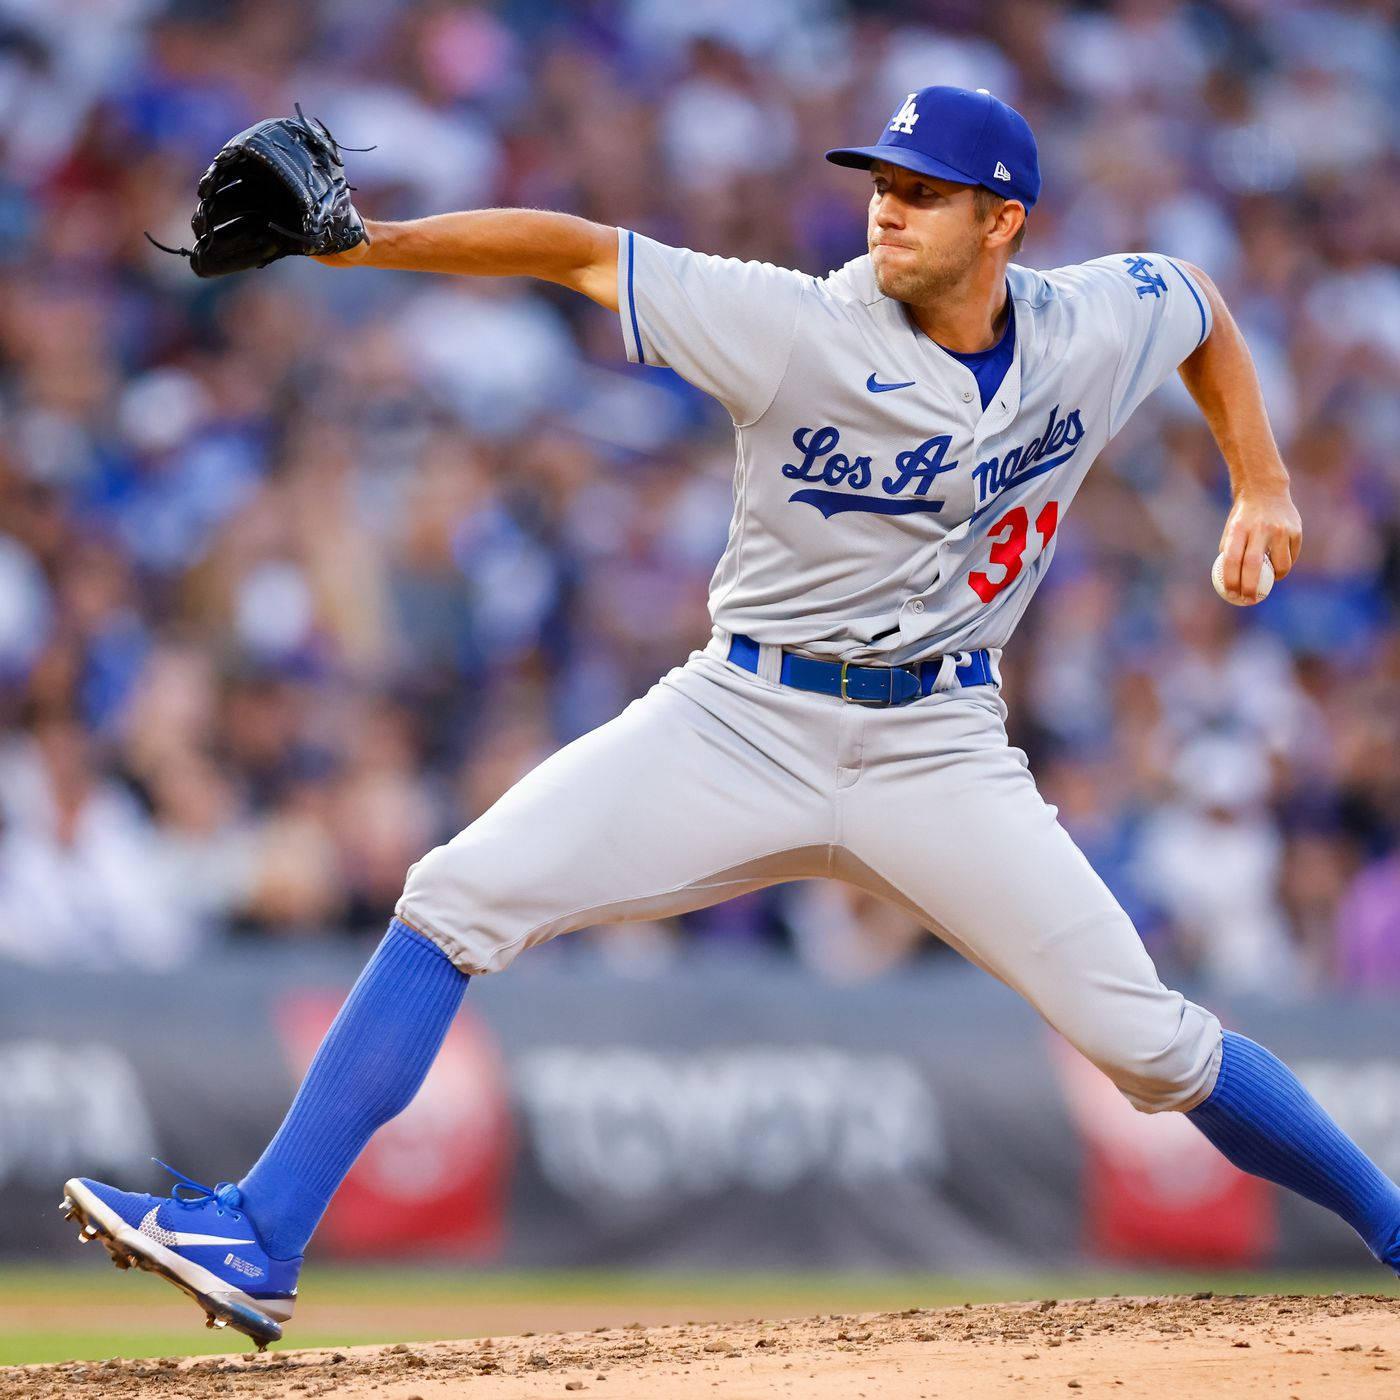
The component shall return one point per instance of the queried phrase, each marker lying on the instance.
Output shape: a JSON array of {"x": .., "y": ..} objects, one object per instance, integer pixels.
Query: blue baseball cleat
[{"x": 200, "y": 1240}]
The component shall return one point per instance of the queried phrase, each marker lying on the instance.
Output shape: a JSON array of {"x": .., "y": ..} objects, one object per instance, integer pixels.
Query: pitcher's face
[{"x": 925, "y": 234}]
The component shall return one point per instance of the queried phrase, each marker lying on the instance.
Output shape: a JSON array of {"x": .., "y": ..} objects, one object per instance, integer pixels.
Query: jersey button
[
  {"x": 917, "y": 605},
  {"x": 967, "y": 395}
]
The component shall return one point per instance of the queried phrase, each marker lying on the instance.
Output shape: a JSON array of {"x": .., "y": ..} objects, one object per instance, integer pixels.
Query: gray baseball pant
[{"x": 719, "y": 781}]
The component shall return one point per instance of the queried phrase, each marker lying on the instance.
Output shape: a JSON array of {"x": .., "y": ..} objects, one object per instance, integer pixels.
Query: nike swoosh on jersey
[
  {"x": 152, "y": 1229},
  {"x": 876, "y": 387}
]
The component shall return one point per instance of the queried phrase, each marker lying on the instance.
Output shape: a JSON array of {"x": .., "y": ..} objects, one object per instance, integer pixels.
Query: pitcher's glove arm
[{"x": 274, "y": 190}]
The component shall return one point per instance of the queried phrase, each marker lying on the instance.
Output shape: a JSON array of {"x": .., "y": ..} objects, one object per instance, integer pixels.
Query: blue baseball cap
[{"x": 956, "y": 134}]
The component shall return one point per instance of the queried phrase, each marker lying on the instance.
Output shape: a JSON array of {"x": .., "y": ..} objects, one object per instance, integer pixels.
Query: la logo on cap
[
  {"x": 905, "y": 118},
  {"x": 1001, "y": 172}
]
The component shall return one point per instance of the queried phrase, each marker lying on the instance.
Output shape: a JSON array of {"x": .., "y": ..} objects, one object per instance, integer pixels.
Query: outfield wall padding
[{"x": 717, "y": 1114}]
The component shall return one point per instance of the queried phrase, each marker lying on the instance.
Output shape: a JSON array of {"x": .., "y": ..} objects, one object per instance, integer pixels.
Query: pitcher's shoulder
[
  {"x": 1111, "y": 274},
  {"x": 1038, "y": 288}
]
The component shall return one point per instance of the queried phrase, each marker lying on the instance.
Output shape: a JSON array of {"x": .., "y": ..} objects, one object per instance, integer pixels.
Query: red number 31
[{"x": 1008, "y": 538}]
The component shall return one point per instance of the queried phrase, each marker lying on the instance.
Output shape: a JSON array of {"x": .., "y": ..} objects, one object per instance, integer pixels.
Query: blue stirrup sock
[
  {"x": 1263, "y": 1120},
  {"x": 368, "y": 1068}
]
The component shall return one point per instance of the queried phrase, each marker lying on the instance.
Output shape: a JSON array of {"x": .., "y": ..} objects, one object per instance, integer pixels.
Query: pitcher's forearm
[
  {"x": 1220, "y": 376},
  {"x": 555, "y": 247},
  {"x": 1263, "y": 520}
]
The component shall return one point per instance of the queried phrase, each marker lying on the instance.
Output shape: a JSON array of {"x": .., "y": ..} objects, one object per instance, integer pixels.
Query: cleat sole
[
  {"x": 127, "y": 1248},
  {"x": 118, "y": 1255}
]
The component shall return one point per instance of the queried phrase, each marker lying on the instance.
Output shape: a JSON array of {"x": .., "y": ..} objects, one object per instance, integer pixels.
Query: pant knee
[
  {"x": 1170, "y": 1073},
  {"x": 447, "y": 897},
  {"x": 483, "y": 899},
  {"x": 434, "y": 877}
]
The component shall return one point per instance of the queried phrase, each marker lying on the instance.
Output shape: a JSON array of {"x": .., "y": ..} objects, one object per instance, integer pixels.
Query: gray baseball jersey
[{"x": 881, "y": 514}]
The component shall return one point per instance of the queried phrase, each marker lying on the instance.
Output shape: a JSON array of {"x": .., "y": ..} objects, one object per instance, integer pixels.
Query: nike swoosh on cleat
[
  {"x": 155, "y": 1231},
  {"x": 876, "y": 387}
]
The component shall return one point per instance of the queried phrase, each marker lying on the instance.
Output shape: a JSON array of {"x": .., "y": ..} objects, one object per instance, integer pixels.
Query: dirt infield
[{"x": 1221, "y": 1347}]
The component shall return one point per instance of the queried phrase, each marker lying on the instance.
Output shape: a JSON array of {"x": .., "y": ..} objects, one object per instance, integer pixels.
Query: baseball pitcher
[{"x": 909, "y": 433}]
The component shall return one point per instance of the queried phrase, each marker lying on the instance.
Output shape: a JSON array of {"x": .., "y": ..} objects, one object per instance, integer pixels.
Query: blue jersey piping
[
  {"x": 1196, "y": 297},
  {"x": 632, "y": 300}
]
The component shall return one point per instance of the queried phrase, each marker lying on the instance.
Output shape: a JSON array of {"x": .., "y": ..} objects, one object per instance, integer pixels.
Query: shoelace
[{"x": 226, "y": 1196}]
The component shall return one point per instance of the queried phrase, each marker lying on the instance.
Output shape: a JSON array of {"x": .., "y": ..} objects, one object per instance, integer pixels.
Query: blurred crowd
[{"x": 300, "y": 569}]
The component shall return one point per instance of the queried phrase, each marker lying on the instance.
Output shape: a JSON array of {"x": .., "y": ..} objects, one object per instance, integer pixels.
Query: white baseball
[{"x": 1266, "y": 582}]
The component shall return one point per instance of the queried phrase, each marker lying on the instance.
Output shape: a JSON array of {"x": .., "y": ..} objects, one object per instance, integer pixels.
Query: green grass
[{"x": 379, "y": 1304}]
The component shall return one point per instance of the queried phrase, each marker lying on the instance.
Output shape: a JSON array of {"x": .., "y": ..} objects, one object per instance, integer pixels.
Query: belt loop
[
  {"x": 948, "y": 665},
  {"x": 770, "y": 664}
]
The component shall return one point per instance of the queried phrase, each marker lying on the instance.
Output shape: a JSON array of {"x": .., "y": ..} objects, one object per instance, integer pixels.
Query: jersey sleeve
[
  {"x": 1156, "y": 315},
  {"x": 726, "y": 326}
]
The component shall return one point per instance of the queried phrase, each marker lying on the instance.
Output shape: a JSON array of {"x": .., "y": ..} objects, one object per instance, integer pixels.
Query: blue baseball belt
[{"x": 863, "y": 685}]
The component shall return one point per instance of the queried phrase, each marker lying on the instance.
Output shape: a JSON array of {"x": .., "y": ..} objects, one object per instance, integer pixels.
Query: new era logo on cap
[{"x": 1001, "y": 172}]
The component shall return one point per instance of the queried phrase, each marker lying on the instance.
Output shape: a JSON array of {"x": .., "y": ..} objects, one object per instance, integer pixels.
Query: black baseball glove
[{"x": 276, "y": 189}]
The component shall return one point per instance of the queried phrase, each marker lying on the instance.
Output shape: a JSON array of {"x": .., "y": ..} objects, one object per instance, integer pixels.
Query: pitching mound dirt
[{"x": 1287, "y": 1348}]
